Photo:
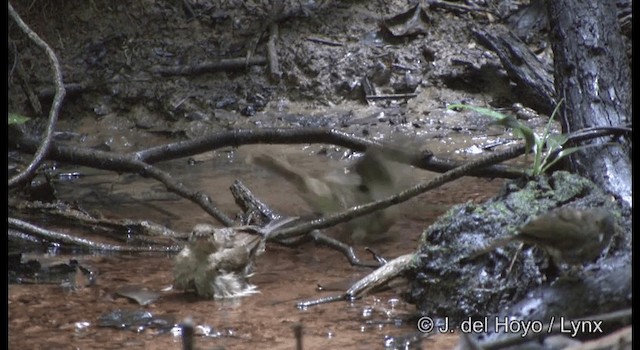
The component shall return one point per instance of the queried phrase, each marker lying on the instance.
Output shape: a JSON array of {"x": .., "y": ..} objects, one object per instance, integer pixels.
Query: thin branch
[
  {"x": 405, "y": 195},
  {"x": 375, "y": 281},
  {"x": 344, "y": 248},
  {"x": 145, "y": 230},
  {"x": 250, "y": 204},
  {"x": 390, "y": 96},
  {"x": 209, "y": 67},
  {"x": 297, "y": 333},
  {"x": 139, "y": 161},
  {"x": 85, "y": 243},
  {"x": 55, "y": 107},
  {"x": 238, "y": 137},
  {"x": 200, "y": 198},
  {"x": 324, "y": 41},
  {"x": 124, "y": 163}
]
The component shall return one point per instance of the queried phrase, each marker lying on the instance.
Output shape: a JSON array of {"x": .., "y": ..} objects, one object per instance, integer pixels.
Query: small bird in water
[
  {"x": 372, "y": 177},
  {"x": 217, "y": 263},
  {"x": 569, "y": 235}
]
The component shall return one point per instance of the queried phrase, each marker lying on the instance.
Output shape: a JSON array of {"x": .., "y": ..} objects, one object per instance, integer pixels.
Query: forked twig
[{"x": 246, "y": 200}]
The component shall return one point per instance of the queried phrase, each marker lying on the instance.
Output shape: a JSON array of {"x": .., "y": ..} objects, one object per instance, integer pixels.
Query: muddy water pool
[{"x": 49, "y": 316}]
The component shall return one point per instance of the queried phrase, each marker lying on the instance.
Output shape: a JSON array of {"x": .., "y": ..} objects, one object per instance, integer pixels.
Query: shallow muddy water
[
  {"x": 50, "y": 316},
  {"x": 119, "y": 101}
]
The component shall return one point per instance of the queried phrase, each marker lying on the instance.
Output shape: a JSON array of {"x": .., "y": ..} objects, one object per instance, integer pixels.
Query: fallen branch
[
  {"x": 140, "y": 161},
  {"x": 250, "y": 204},
  {"x": 534, "y": 80},
  {"x": 375, "y": 281},
  {"x": 142, "y": 230},
  {"x": 390, "y": 96},
  {"x": 124, "y": 163},
  {"x": 235, "y": 138},
  {"x": 210, "y": 66},
  {"x": 72, "y": 240},
  {"x": 324, "y": 41}
]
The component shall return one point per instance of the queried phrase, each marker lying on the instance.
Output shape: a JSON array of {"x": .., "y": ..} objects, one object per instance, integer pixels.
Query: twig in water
[
  {"x": 374, "y": 281},
  {"x": 246, "y": 200},
  {"x": 188, "y": 331},
  {"x": 85, "y": 243},
  {"x": 124, "y": 163}
]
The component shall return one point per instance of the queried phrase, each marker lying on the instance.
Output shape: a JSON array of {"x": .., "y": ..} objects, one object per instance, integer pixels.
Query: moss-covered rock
[{"x": 447, "y": 283}]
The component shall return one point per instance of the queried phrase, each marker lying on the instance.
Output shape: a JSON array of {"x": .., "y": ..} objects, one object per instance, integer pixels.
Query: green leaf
[
  {"x": 17, "y": 119},
  {"x": 508, "y": 121},
  {"x": 556, "y": 141},
  {"x": 570, "y": 150},
  {"x": 485, "y": 111}
]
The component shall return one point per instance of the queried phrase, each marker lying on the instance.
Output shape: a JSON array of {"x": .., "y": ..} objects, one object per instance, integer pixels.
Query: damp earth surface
[{"x": 340, "y": 68}]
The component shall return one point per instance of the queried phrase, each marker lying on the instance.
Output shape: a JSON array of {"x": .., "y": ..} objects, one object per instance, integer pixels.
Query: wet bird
[
  {"x": 217, "y": 262},
  {"x": 372, "y": 177},
  {"x": 569, "y": 235}
]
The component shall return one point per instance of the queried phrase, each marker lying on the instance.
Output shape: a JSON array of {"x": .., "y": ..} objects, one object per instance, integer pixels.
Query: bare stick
[
  {"x": 85, "y": 243},
  {"x": 250, "y": 204},
  {"x": 297, "y": 332},
  {"x": 449, "y": 5},
  {"x": 246, "y": 200},
  {"x": 281, "y": 136},
  {"x": 147, "y": 231},
  {"x": 118, "y": 162},
  {"x": 188, "y": 330},
  {"x": 202, "y": 199},
  {"x": 55, "y": 107},
  {"x": 390, "y": 96},
  {"x": 376, "y": 280},
  {"x": 324, "y": 41},
  {"x": 345, "y": 249},
  {"x": 209, "y": 67}
]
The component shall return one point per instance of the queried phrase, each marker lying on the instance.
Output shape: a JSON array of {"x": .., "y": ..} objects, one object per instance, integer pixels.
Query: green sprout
[
  {"x": 547, "y": 148},
  {"x": 17, "y": 119}
]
